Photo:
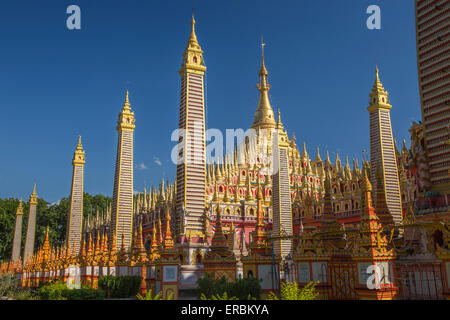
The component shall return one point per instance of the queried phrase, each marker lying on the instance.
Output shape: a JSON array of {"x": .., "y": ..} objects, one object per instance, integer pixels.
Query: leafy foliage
[
  {"x": 291, "y": 291},
  {"x": 8, "y": 283},
  {"x": 52, "y": 215},
  {"x": 224, "y": 296},
  {"x": 25, "y": 294},
  {"x": 120, "y": 287},
  {"x": 52, "y": 291},
  {"x": 158, "y": 296},
  {"x": 242, "y": 289},
  {"x": 59, "y": 291},
  {"x": 9, "y": 289}
]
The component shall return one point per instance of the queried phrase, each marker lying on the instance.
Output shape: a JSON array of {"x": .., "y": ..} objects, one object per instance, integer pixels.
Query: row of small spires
[
  {"x": 146, "y": 202},
  {"x": 222, "y": 172},
  {"x": 164, "y": 196},
  {"x": 229, "y": 168},
  {"x": 101, "y": 250},
  {"x": 308, "y": 167}
]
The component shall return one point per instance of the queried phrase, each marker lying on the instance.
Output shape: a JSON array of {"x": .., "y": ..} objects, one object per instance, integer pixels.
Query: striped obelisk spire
[
  {"x": 191, "y": 172},
  {"x": 31, "y": 227},
  {"x": 17, "y": 233},
  {"x": 282, "y": 213},
  {"x": 122, "y": 202},
  {"x": 75, "y": 219},
  {"x": 432, "y": 23},
  {"x": 382, "y": 152}
]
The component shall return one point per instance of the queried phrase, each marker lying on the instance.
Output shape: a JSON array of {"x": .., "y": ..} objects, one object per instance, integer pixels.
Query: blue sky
[{"x": 57, "y": 83}]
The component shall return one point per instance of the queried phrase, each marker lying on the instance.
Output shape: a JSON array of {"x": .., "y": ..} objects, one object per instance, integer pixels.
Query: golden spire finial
[
  {"x": 304, "y": 152},
  {"x": 293, "y": 139},
  {"x": 262, "y": 47},
  {"x": 19, "y": 210},
  {"x": 308, "y": 167},
  {"x": 338, "y": 160},
  {"x": 79, "y": 156},
  {"x": 193, "y": 36},
  {"x": 318, "y": 158},
  {"x": 259, "y": 195},
  {"x": 264, "y": 116},
  {"x": 263, "y": 69},
  {"x": 126, "y": 119},
  {"x": 126, "y": 105},
  {"x": 367, "y": 186},
  {"x": 33, "y": 196},
  {"x": 378, "y": 86},
  {"x": 379, "y": 96},
  {"x": 279, "y": 123},
  {"x": 79, "y": 145},
  {"x": 193, "y": 54}
]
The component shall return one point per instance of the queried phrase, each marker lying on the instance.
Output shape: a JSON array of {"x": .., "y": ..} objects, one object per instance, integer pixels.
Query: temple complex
[{"x": 265, "y": 210}]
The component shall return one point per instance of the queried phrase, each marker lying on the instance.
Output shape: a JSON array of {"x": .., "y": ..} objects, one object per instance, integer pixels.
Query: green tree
[
  {"x": 224, "y": 296},
  {"x": 52, "y": 215}
]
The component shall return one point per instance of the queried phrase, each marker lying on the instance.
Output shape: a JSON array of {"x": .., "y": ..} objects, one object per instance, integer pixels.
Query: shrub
[
  {"x": 245, "y": 289},
  {"x": 224, "y": 296},
  {"x": 120, "y": 287},
  {"x": 242, "y": 289},
  {"x": 52, "y": 291},
  {"x": 9, "y": 289},
  {"x": 210, "y": 287},
  {"x": 59, "y": 291},
  {"x": 8, "y": 283},
  {"x": 290, "y": 291},
  {"x": 158, "y": 296},
  {"x": 85, "y": 293},
  {"x": 25, "y": 294}
]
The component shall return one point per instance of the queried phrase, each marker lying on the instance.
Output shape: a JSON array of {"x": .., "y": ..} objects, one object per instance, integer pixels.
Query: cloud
[
  {"x": 157, "y": 161},
  {"x": 142, "y": 166}
]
